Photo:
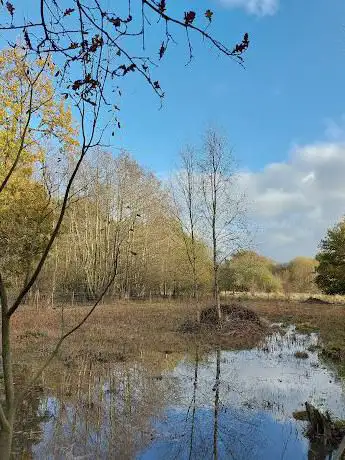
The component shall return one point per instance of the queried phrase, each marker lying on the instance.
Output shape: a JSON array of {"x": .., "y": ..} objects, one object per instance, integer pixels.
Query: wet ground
[{"x": 225, "y": 404}]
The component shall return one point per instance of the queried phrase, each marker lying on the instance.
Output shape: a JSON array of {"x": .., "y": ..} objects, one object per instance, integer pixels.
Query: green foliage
[
  {"x": 298, "y": 275},
  {"x": 34, "y": 124},
  {"x": 25, "y": 223},
  {"x": 248, "y": 271},
  {"x": 331, "y": 269}
]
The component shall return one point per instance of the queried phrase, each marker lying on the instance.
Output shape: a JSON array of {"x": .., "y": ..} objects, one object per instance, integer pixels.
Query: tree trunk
[
  {"x": 6, "y": 432},
  {"x": 215, "y": 262},
  {"x": 6, "y": 443},
  {"x": 216, "y": 297},
  {"x": 216, "y": 408},
  {"x": 195, "y": 385}
]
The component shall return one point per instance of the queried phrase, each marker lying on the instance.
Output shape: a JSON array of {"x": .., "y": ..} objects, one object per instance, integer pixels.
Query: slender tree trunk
[
  {"x": 195, "y": 282},
  {"x": 193, "y": 258},
  {"x": 216, "y": 409},
  {"x": 195, "y": 385},
  {"x": 6, "y": 432},
  {"x": 6, "y": 444},
  {"x": 216, "y": 298},
  {"x": 214, "y": 208}
]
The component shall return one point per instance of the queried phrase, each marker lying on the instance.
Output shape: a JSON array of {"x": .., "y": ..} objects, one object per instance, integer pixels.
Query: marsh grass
[
  {"x": 328, "y": 320},
  {"x": 133, "y": 334},
  {"x": 301, "y": 355},
  {"x": 120, "y": 332}
]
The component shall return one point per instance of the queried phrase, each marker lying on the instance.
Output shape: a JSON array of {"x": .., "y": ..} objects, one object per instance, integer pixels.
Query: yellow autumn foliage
[
  {"x": 34, "y": 122},
  {"x": 28, "y": 98}
]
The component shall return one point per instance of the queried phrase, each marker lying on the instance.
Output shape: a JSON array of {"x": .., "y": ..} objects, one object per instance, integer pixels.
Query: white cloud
[
  {"x": 257, "y": 7},
  {"x": 294, "y": 202}
]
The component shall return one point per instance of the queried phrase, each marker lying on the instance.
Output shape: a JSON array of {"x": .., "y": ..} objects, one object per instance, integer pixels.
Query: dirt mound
[
  {"x": 239, "y": 327},
  {"x": 230, "y": 314},
  {"x": 315, "y": 300}
]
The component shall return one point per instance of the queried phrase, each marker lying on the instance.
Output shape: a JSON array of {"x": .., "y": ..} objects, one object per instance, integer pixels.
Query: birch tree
[
  {"x": 223, "y": 205},
  {"x": 185, "y": 191}
]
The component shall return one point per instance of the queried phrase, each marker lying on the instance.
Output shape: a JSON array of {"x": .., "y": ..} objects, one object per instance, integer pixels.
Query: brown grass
[
  {"x": 122, "y": 331},
  {"x": 125, "y": 327},
  {"x": 114, "y": 331},
  {"x": 284, "y": 297}
]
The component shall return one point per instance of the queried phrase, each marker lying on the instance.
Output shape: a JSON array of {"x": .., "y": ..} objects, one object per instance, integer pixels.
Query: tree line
[
  {"x": 248, "y": 271},
  {"x": 187, "y": 238}
]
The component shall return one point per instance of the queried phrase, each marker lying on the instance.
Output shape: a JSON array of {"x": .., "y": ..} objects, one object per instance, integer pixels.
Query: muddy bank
[{"x": 120, "y": 331}]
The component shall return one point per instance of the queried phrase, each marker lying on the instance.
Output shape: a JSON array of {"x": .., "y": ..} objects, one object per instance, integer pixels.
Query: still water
[{"x": 223, "y": 404}]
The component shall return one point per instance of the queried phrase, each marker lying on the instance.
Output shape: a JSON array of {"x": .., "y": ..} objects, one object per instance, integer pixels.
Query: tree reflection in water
[{"x": 219, "y": 405}]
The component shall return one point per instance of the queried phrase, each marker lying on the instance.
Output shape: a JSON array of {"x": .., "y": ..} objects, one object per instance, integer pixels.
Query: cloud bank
[
  {"x": 256, "y": 7},
  {"x": 294, "y": 202}
]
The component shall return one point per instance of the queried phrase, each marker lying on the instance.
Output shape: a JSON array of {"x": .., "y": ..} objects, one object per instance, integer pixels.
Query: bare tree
[
  {"x": 223, "y": 206},
  {"x": 186, "y": 196}
]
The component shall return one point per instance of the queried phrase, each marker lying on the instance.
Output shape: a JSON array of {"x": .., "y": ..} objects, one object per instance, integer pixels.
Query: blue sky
[{"x": 292, "y": 83}]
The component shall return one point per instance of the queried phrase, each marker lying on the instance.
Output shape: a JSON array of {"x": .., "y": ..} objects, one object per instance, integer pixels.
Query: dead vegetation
[
  {"x": 324, "y": 433},
  {"x": 301, "y": 355},
  {"x": 121, "y": 331},
  {"x": 239, "y": 327},
  {"x": 232, "y": 313}
]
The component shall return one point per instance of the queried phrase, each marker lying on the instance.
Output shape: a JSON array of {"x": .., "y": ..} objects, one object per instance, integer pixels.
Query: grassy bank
[{"x": 122, "y": 331}]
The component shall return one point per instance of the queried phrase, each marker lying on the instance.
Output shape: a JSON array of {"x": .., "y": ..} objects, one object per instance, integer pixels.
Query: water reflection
[{"x": 222, "y": 405}]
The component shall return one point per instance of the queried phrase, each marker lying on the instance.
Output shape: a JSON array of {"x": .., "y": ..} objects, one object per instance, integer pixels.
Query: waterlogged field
[{"x": 131, "y": 385}]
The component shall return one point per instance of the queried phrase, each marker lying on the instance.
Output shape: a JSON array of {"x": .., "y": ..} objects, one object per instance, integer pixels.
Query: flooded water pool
[{"x": 223, "y": 404}]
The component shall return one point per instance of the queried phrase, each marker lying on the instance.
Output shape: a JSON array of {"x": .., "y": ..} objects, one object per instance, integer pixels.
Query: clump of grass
[
  {"x": 301, "y": 415},
  {"x": 33, "y": 334},
  {"x": 301, "y": 355},
  {"x": 333, "y": 352},
  {"x": 306, "y": 328},
  {"x": 313, "y": 348}
]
